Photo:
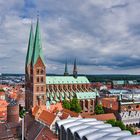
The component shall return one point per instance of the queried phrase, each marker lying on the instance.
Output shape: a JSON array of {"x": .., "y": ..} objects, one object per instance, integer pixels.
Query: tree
[
  {"x": 66, "y": 104},
  {"x": 117, "y": 123},
  {"x": 121, "y": 125},
  {"x": 22, "y": 112},
  {"x": 78, "y": 108},
  {"x": 1, "y": 90},
  {"x": 99, "y": 109},
  {"x": 75, "y": 106},
  {"x": 112, "y": 122},
  {"x": 130, "y": 129}
]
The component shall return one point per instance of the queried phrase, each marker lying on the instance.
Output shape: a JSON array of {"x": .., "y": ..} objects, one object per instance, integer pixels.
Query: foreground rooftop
[{"x": 91, "y": 129}]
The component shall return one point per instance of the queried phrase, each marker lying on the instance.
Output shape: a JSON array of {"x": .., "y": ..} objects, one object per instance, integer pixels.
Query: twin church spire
[
  {"x": 74, "y": 69},
  {"x": 34, "y": 46},
  {"x": 30, "y": 47},
  {"x": 35, "y": 50}
]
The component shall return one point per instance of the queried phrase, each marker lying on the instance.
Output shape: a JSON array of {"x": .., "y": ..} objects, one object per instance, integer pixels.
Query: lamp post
[
  {"x": 22, "y": 115},
  {"x": 23, "y": 128}
]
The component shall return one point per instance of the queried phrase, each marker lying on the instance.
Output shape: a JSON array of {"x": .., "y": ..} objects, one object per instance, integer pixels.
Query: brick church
[{"x": 43, "y": 90}]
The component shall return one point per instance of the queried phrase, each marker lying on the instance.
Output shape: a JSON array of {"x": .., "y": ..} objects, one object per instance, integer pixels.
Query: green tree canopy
[
  {"x": 22, "y": 112},
  {"x": 66, "y": 104},
  {"x": 75, "y": 106},
  {"x": 112, "y": 122},
  {"x": 1, "y": 90},
  {"x": 130, "y": 129},
  {"x": 121, "y": 125},
  {"x": 72, "y": 105},
  {"x": 99, "y": 109}
]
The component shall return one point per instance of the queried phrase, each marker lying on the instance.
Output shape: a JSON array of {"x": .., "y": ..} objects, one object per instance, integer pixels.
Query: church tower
[
  {"x": 37, "y": 95},
  {"x": 28, "y": 66},
  {"x": 75, "y": 69},
  {"x": 66, "y": 69}
]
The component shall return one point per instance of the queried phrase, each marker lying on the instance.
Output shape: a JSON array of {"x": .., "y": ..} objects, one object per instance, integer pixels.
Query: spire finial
[
  {"x": 37, "y": 14},
  {"x": 37, "y": 17}
]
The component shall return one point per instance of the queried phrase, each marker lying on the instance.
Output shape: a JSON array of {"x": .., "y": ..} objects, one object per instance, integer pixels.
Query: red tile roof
[
  {"x": 3, "y": 103},
  {"x": 65, "y": 115},
  {"x": 46, "y": 134},
  {"x": 101, "y": 117},
  {"x": 2, "y": 93},
  {"x": 105, "y": 117},
  {"x": 47, "y": 117},
  {"x": 71, "y": 113},
  {"x": 35, "y": 110}
]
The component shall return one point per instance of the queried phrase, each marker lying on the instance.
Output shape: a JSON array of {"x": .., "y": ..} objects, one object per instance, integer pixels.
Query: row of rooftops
[{"x": 123, "y": 94}]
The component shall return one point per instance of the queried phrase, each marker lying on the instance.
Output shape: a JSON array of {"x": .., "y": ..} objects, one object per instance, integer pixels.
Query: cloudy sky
[{"x": 104, "y": 35}]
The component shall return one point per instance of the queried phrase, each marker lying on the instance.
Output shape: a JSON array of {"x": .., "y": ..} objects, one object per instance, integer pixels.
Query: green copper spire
[
  {"x": 66, "y": 69},
  {"x": 75, "y": 66},
  {"x": 30, "y": 47},
  {"x": 37, "y": 52},
  {"x": 75, "y": 69}
]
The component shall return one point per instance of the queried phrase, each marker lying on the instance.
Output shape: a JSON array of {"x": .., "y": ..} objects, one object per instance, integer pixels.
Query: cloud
[{"x": 103, "y": 35}]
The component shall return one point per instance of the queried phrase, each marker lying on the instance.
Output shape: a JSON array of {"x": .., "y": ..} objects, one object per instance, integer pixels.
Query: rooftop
[
  {"x": 66, "y": 80},
  {"x": 47, "y": 117},
  {"x": 86, "y": 129},
  {"x": 86, "y": 95}
]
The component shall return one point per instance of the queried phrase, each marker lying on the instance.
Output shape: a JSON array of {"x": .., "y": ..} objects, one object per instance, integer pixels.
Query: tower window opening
[
  {"x": 37, "y": 89},
  {"x": 37, "y": 79},
  {"x": 42, "y": 89},
  {"x": 42, "y": 80},
  {"x": 37, "y": 71},
  {"x": 129, "y": 107},
  {"x": 42, "y": 71},
  {"x": 137, "y": 106}
]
